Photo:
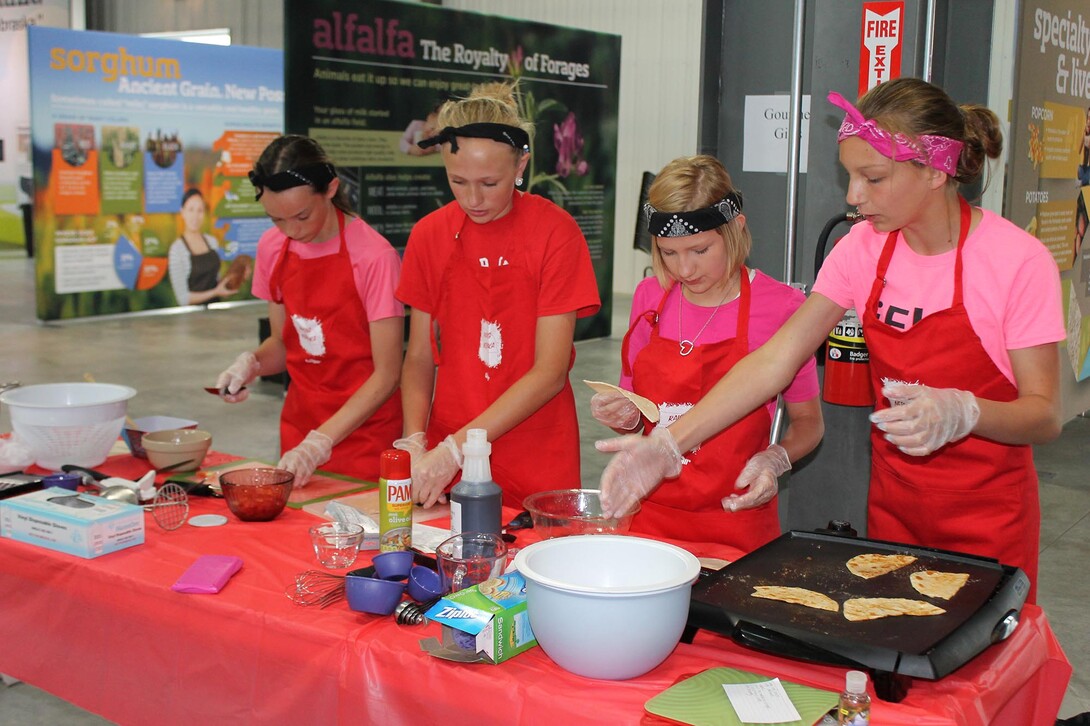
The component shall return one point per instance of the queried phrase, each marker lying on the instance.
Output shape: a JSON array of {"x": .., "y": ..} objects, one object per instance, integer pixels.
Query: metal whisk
[{"x": 314, "y": 587}]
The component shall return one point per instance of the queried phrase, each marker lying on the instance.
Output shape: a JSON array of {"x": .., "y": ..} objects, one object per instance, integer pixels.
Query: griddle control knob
[{"x": 1005, "y": 626}]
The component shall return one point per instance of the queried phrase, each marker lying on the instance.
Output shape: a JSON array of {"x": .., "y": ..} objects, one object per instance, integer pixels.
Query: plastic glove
[
  {"x": 923, "y": 419},
  {"x": 312, "y": 452},
  {"x": 641, "y": 463},
  {"x": 615, "y": 411},
  {"x": 759, "y": 476},
  {"x": 434, "y": 470},
  {"x": 416, "y": 445},
  {"x": 240, "y": 373},
  {"x": 14, "y": 453}
]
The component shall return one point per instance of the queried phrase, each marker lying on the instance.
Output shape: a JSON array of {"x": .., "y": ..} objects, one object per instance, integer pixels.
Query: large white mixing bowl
[
  {"x": 607, "y": 606},
  {"x": 68, "y": 423}
]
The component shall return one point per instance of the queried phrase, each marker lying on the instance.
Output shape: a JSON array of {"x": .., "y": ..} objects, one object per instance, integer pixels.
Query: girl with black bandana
[
  {"x": 335, "y": 324},
  {"x": 496, "y": 280}
]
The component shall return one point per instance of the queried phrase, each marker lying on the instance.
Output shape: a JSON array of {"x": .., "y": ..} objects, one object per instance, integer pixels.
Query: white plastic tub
[
  {"x": 607, "y": 606},
  {"x": 68, "y": 423}
]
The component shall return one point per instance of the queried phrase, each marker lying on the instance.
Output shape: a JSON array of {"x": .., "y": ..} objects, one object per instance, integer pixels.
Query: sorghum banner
[{"x": 364, "y": 79}]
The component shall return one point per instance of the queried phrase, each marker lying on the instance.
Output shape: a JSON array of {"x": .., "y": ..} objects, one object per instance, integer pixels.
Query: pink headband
[{"x": 939, "y": 152}]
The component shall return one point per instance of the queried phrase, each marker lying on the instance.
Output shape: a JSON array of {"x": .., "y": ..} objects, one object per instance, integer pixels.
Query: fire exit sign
[{"x": 880, "y": 46}]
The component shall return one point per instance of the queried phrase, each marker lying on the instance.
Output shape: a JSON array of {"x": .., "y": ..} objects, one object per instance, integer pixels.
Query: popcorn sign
[{"x": 880, "y": 47}]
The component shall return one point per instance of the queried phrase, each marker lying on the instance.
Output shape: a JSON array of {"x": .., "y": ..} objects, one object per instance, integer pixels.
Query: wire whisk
[{"x": 314, "y": 587}]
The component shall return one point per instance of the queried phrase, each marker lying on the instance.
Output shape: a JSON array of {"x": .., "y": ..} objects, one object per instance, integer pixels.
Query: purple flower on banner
[
  {"x": 514, "y": 62},
  {"x": 569, "y": 146}
]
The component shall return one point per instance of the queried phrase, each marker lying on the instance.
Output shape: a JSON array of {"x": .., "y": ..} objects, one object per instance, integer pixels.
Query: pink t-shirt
[
  {"x": 1011, "y": 285},
  {"x": 376, "y": 265},
  {"x": 771, "y": 303}
]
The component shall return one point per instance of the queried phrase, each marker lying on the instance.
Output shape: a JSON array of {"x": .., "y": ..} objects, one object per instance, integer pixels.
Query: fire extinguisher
[{"x": 847, "y": 362}]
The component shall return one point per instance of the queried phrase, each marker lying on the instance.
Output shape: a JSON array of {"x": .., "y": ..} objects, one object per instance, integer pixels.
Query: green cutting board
[{"x": 701, "y": 700}]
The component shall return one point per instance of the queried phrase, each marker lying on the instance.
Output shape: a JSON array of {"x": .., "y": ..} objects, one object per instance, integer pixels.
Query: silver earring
[{"x": 518, "y": 181}]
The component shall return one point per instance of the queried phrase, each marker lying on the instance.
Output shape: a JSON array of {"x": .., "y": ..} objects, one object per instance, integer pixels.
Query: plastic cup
[
  {"x": 469, "y": 559},
  {"x": 336, "y": 544}
]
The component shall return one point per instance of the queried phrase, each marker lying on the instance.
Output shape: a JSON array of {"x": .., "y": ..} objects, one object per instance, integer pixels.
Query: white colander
[{"x": 68, "y": 423}]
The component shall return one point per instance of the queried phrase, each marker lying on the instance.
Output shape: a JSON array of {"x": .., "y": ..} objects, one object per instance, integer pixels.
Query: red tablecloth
[{"x": 110, "y": 635}]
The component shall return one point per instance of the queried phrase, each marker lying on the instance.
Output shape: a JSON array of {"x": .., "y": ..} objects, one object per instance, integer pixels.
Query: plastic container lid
[
  {"x": 395, "y": 464},
  {"x": 476, "y": 443},
  {"x": 855, "y": 682}
]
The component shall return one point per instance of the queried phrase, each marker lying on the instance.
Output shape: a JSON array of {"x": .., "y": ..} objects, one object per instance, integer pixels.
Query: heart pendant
[{"x": 686, "y": 347}]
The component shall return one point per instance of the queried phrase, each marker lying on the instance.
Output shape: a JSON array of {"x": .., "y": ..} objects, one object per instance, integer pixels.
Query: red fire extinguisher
[
  {"x": 847, "y": 362},
  {"x": 847, "y": 365}
]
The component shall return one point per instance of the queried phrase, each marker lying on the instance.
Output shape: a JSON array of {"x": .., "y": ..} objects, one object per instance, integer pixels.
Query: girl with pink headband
[{"x": 961, "y": 312}]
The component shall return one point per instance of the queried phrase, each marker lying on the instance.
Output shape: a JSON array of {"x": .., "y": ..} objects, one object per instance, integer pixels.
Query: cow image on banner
[{"x": 880, "y": 47}]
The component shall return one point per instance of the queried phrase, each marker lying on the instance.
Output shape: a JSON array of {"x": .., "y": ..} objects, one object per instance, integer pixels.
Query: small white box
[{"x": 77, "y": 524}]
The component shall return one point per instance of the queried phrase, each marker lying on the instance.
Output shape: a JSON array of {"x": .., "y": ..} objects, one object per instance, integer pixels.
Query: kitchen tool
[
  {"x": 563, "y": 512},
  {"x": 75, "y": 423},
  {"x": 985, "y": 610},
  {"x": 412, "y": 612},
  {"x": 607, "y": 606},
  {"x": 369, "y": 594},
  {"x": 64, "y": 480},
  {"x": 170, "y": 508},
  {"x": 523, "y": 520},
  {"x": 172, "y": 449},
  {"x": 393, "y": 565},
  {"x": 336, "y": 544},
  {"x": 215, "y": 391},
  {"x": 196, "y": 489},
  {"x": 469, "y": 559},
  {"x": 134, "y": 434},
  {"x": 316, "y": 588},
  {"x": 256, "y": 495},
  {"x": 424, "y": 584}
]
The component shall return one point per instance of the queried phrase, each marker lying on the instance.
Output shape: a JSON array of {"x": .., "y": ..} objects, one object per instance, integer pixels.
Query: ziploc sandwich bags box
[
  {"x": 493, "y": 613},
  {"x": 78, "y": 524}
]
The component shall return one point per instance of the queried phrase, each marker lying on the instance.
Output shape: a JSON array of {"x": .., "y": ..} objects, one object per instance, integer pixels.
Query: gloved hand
[
  {"x": 240, "y": 373},
  {"x": 923, "y": 419},
  {"x": 640, "y": 464},
  {"x": 312, "y": 452},
  {"x": 434, "y": 470},
  {"x": 615, "y": 411},
  {"x": 416, "y": 445},
  {"x": 759, "y": 476}
]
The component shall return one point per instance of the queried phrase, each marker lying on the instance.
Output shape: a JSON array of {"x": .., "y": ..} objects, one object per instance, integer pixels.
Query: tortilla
[
  {"x": 647, "y": 406},
  {"x": 872, "y": 608},
  {"x": 797, "y": 596},
  {"x": 874, "y": 565},
  {"x": 933, "y": 583}
]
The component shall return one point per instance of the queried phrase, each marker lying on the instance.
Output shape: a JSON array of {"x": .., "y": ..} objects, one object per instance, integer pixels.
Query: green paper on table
[
  {"x": 323, "y": 485},
  {"x": 701, "y": 700}
]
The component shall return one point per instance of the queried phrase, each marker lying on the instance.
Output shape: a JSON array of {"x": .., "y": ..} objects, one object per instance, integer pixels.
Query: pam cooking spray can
[{"x": 395, "y": 501}]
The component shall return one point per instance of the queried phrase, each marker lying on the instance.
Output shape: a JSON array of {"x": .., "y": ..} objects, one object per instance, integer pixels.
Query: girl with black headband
[
  {"x": 701, "y": 313},
  {"x": 336, "y": 326},
  {"x": 496, "y": 280},
  {"x": 961, "y": 311}
]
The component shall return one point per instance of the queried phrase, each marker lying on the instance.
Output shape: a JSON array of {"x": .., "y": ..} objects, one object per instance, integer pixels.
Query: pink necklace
[{"x": 685, "y": 346}]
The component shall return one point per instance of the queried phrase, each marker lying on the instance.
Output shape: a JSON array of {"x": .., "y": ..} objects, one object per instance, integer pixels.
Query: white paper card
[{"x": 764, "y": 702}]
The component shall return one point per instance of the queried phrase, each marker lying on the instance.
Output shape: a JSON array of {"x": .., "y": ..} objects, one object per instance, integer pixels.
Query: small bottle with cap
[
  {"x": 854, "y": 708},
  {"x": 476, "y": 501}
]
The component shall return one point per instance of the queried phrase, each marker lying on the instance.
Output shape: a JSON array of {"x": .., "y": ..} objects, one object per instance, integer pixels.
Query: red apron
[
  {"x": 320, "y": 298},
  {"x": 482, "y": 337},
  {"x": 690, "y": 507},
  {"x": 974, "y": 495}
]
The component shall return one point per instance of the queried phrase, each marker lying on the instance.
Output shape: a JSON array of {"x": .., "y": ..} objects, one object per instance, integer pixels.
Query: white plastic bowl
[
  {"x": 607, "y": 606},
  {"x": 68, "y": 423}
]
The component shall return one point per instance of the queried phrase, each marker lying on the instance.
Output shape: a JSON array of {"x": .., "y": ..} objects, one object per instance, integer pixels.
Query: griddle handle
[{"x": 762, "y": 638}]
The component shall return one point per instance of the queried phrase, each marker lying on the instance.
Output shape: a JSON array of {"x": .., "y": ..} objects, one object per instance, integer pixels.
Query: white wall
[{"x": 660, "y": 85}]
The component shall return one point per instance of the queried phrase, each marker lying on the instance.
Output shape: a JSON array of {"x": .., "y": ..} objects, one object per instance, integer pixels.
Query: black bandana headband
[
  {"x": 503, "y": 133},
  {"x": 316, "y": 175},
  {"x": 683, "y": 224}
]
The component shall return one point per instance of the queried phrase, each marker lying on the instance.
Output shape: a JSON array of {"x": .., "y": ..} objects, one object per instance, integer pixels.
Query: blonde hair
[
  {"x": 689, "y": 183},
  {"x": 495, "y": 103},
  {"x": 915, "y": 107}
]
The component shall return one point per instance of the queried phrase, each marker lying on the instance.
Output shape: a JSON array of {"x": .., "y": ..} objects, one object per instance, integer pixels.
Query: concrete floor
[{"x": 169, "y": 358}]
